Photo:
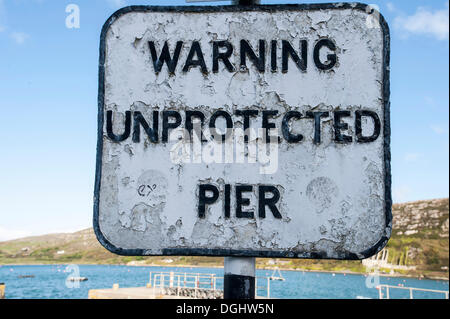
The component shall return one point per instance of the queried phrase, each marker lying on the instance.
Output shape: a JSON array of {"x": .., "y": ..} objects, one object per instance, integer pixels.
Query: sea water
[{"x": 49, "y": 281}]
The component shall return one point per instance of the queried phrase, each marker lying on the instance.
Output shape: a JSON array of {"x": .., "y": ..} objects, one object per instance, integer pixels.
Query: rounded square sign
[{"x": 244, "y": 131}]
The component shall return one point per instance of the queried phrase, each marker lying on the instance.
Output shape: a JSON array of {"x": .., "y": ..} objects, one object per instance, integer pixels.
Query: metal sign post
[
  {"x": 239, "y": 272},
  {"x": 246, "y": 2},
  {"x": 239, "y": 278}
]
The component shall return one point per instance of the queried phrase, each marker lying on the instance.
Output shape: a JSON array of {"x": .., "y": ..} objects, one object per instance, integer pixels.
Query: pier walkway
[{"x": 175, "y": 285}]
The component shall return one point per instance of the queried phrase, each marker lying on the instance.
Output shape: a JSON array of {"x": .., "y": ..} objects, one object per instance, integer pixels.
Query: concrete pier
[
  {"x": 157, "y": 293},
  {"x": 168, "y": 285},
  {"x": 2, "y": 290},
  {"x": 154, "y": 293},
  {"x": 192, "y": 293}
]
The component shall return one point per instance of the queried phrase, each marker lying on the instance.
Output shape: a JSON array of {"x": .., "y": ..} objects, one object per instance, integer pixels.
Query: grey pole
[
  {"x": 239, "y": 277},
  {"x": 246, "y": 2}
]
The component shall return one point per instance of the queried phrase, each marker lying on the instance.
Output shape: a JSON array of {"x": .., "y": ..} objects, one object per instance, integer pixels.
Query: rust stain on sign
[{"x": 304, "y": 91}]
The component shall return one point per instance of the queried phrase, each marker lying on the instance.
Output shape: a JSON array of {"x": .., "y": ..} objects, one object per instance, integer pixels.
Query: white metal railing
[
  {"x": 265, "y": 288},
  {"x": 182, "y": 280},
  {"x": 198, "y": 282},
  {"x": 410, "y": 289}
]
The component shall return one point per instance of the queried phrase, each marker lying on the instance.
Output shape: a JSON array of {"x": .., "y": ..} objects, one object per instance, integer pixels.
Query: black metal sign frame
[{"x": 248, "y": 253}]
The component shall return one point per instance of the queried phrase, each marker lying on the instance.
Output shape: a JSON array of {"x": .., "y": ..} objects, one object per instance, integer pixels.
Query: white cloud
[
  {"x": 401, "y": 194},
  {"x": 426, "y": 22},
  {"x": 391, "y": 7},
  {"x": 8, "y": 234},
  {"x": 439, "y": 129},
  {"x": 117, "y": 3},
  {"x": 412, "y": 157},
  {"x": 19, "y": 37}
]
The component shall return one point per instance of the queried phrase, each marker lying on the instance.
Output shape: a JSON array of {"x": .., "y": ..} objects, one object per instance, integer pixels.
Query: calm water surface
[{"x": 50, "y": 282}]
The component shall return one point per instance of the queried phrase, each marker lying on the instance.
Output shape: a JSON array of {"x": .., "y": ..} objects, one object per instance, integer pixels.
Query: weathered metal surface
[{"x": 333, "y": 187}]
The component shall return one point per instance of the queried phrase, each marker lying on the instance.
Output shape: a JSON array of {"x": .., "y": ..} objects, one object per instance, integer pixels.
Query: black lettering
[
  {"x": 200, "y": 61},
  {"x": 287, "y": 50},
  {"x": 259, "y": 62},
  {"x": 288, "y": 136},
  {"x": 243, "y": 201},
  {"x": 271, "y": 202},
  {"x": 273, "y": 56},
  {"x": 227, "y": 200},
  {"x": 224, "y": 56},
  {"x": 165, "y": 57},
  {"x": 246, "y": 114},
  {"x": 166, "y": 125},
  {"x": 338, "y": 126},
  {"x": 139, "y": 121},
  {"x": 109, "y": 129},
  {"x": 204, "y": 200},
  {"x": 189, "y": 125},
  {"x": 332, "y": 59},
  {"x": 266, "y": 124},
  {"x": 212, "y": 125},
  {"x": 376, "y": 122},
  {"x": 317, "y": 128}
]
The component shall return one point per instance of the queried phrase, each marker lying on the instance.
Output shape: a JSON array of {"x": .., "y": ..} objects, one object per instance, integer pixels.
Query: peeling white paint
[{"x": 332, "y": 194}]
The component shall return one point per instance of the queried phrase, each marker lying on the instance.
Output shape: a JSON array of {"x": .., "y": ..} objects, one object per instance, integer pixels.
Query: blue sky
[{"x": 48, "y": 103}]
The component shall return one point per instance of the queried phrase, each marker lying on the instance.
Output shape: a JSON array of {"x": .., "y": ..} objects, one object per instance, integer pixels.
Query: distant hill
[
  {"x": 424, "y": 219},
  {"x": 419, "y": 238}
]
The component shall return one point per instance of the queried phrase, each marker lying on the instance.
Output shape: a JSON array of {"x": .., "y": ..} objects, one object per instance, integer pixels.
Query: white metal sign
[{"x": 257, "y": 131}]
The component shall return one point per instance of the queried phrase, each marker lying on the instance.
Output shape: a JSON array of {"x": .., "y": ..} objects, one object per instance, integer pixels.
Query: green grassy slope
[{"x": 419, "y": 238}]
